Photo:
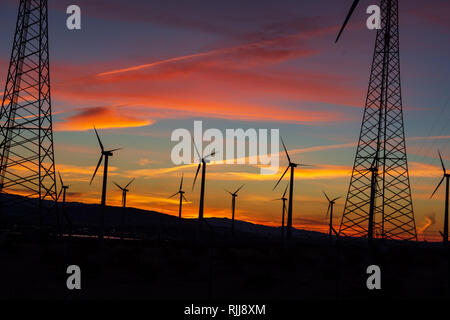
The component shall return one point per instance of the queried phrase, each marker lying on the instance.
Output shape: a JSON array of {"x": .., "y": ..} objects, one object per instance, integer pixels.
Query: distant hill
[
  {"x": 85, "y": 218},
  {"x": 144, "y": 224}
]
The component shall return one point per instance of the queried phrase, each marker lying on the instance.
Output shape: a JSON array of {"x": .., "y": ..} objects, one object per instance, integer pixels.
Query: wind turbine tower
[
  {"x": 330, "y": 209},
  {"x": 124, "y": 192},
  {"x": 446, "y": 176},
  {"x": 233, "y": 205},
  {"x": 182, "y": 197},
  {"x": 124, "y": 204},
  {"x": 283, "y": 212},
  {"x": 203, "y": 161},
  {"x": 63, "y": 192},
  {"x": 379, "y": 194},
  {"x": 106, "y": 154},
  {"x": 291, "y": 166}
]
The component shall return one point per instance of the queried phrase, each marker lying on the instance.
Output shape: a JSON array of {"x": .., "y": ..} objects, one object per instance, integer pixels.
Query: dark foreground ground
[
  {"x": 35, "y": 268},
  {"x": 175, "y": 260}
]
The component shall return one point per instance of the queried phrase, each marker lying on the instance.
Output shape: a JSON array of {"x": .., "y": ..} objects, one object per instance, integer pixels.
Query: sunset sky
[{"x": 140, "y": 69}]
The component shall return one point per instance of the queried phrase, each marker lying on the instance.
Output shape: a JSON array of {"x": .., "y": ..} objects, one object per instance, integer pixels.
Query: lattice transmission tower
[
  {"x": 379, "y": 203},
  {"x": 27, "y": 165}
]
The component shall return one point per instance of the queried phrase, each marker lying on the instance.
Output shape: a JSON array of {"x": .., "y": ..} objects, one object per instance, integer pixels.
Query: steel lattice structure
[
  {"x": 27, "y": 165},
  {"x": 379, "y": 202}
]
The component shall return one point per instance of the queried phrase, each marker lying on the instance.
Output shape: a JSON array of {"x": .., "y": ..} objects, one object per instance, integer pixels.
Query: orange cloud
[
  {"x": 423, "y": 170},
  {"x": 102, "y": 118},
  {"x": 311, "y": 173},
  {"x": 73, "y": 173},
  {"x": 319, "y": 172},
  {"x": 273, "y": 50}
]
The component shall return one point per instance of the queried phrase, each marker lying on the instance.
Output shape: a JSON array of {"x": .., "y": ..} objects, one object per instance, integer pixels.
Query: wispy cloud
[{"x": 267, "y": 51}]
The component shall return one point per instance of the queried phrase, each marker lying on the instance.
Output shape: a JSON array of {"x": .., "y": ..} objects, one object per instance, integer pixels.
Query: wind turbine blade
[
  {"x": 196, "y": 174},
  {"x": 281, "y": 177},
  {"x": 285, "y": 190},
  {"x": 228, "y": 191},
  {"x": 285, "y": 150},
  {"x": 98, "y": 165},
  {"x": 196, "y": 150},
  {"x": 113, "y": 150},
  {"x": 59, "y": 195},
  {"x": 173, "y": 195},
  {"x": 129, "y": 183},
  {"x": 326, "y": 196},
  {"x": 60, "y": 179},
  {"x": 303, "y": 165},
  {"x": 239, "y": 188},
  {"x": 437, "y": 187},
  {"x": 212, "y": 154},
  {"x": 118, "y": 186},
  {"x": 442, "y": 162},
  {"x": 184, "y": 198},
  {"x": 353, "y": 7},
  {"x": 335, "y": 199},
  {"x": 98, "y": 138},
  {"x": 181, "y": 183},
  {"x": 328, "y": 210}
]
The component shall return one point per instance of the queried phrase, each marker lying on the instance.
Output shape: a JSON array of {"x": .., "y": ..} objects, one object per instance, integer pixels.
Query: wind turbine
[
  {"x": 181, "y": 193},
  {"x": 106, "y": 154},
  {"x": 446, "y": 177},
  {"x": 63, "y": 191},
  {"x": 124, "y": 192},
  {"x": 291, "y": 166},
  {"x": 331, "y": 204},
  {"x": 124, "y": 203},
  {"x": 202, "y": 164},
  {"x": 283, "y": 213},
  {"x": 352, "y": 9},
  {"x": 233, "y": 205}
]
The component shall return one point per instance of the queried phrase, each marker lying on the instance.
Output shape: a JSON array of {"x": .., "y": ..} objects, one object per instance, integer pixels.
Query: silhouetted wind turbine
[
  {"x": 106, "y": 154},
  {"x": 331, "y": 204},
  {"x": 292, "y": 166},
  {"x": 124, "y": 204},
  {"x": 124, "y": 192},
  {"x": 233, "y": 205},
  {"x": 181, "y": 193},
  {"x": 352, "y": 9},
  {"x": 446, "y": 177},
  {"x": 202, "y": 164},
  {"x": 63, "y": 191},
  {"x": 283, "y": 213}
]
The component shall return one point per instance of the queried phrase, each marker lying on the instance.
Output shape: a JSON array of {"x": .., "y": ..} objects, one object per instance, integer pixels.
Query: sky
[{"x": 138, "y": 70}]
